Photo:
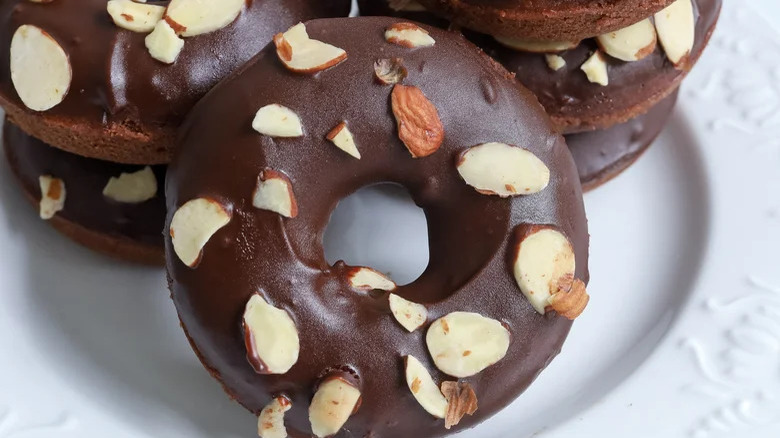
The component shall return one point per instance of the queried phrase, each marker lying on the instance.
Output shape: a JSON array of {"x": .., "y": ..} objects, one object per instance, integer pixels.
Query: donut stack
[
  {"x": 95, "y": 90},
  {"x": 606, "y": 72}
]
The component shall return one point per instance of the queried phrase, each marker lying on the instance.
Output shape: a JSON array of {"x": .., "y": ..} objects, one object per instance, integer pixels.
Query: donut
[
  {"x": 613, "y": 90},
  {"x": 335, "y": 350},
  {"x": 114, "y": 209},
  {"x": 543, "y": 20},
  {"x": 602, "y": 155},
  {"x": 591, "y": 88},
  {"x": 78, "y": 73}
]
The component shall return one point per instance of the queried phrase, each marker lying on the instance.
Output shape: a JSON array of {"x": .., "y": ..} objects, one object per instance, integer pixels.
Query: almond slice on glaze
[
  {"x": 424, "y": 389},
  {"x": 503, "y": 170},
  {"x": 631, "y": 43},
  {"x": 544, "y": 267},
  {"x": 536, "y": 46},
  {"x": 333, "y": 403},
  {"x": 270, "y": 336},
  {"x": 193, "y": 225},
  {"x": 274, "y": 192},
  {"x": 369, "y": 279},
  {"x": 419, "y": 125},
  {"x": 40, "y": 68},
  {"x": 301, "y": 54},
  {"x": 463, "y": 344},
  {"x": 134, "y": 16},
  {"x": 270, "y": 423},
  {"x": 410, "y": 315},
  {"x": 676, "y": 26},
  {"x": 52, "y": 196},
  {"x": 196, "y": 17},
  {"x": 409, "y": 35}
]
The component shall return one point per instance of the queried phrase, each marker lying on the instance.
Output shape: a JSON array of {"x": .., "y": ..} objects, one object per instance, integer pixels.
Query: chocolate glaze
[
  {"x": 574, "y": 103},
  {"x": 601, "y": 155},
  {"x": 220, "y": 157},
  {"x": 84, "y": 180},
  {"x": 115, "y": 80}
]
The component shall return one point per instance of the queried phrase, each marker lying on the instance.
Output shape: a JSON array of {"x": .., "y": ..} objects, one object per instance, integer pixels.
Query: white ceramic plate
[{"x": 682, "y": 338}]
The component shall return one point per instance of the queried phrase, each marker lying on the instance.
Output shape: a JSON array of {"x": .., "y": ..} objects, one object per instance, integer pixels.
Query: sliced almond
[
  {"x": 631, "y": 43},
  {"x": 40, "y": 68},
  {"x": 543, "y": 257},
  {"x": 271, "y": 338},
  {"x": 555, "y": 62},
  {"x": 424, "y": 389},
  {"x": 134, "y": 16},
  {"x": 369, "y": 279},
  {"x": 463, "y": 344},
  {"x": 277, "y": 121},
  {"x": 163, "y": 43},
  {"x": 332, "y": 405},
  {"x": 302, "y": 54},
  {"x": 570, "y": 299},
  {"x": 503, "y": 170},
  {"x": 536, "y": 46},
  {"x": 132, "y": 188},
  {"x": 409, "y": 35},
  {"x": 419, "y": 126},
  {"x": 595, "y": 69},
  {"x": 52, "y": 196},
  {"x": 410, "y": 315},
  {"x": 390, "y": 71},
  {"x": 676, "y": 26},
  {"x": 192, "y": 226},
  {"x": 196, "y": 17},
  {"x": 274, "y": 192},
  {"x": 343, "y": 139},
  {"x": 461, "y": 401},
  {"x": 270, "y": 423}
]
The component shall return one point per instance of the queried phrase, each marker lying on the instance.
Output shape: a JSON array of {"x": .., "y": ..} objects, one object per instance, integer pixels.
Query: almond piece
[
  {"x": 52, "y": 196},
  {"x": 544, "y": 265},
  {"x": 536, "y": 46},
  {"x": 676, "y": 26},
  {"x": 463, "y": 344},
  {"x": 424, "y": 389},
  {"x": 137, "y": 17},
  {"x": 410, "y": 315},
  {"x": 302, "y": 54},
  {"x": 503, "y": 170},
  {"x": 596, "y": 69},
  {"x": 409, "y": 35},
  {"x": 419, "y": 126},
  {"x": 192, "y": 226},
  {"x": 270, "y": 336},
  {"x": 163, "y": 43},
  {"x": 631, "y": 43},
  {"x": 132, "y": 188},
  {"x": 555, "y": 62},
  {"x": 274, "y": 192},
  {"x": 369, "y": 279},
  {"x": 277, "y": 121},
  {"x": 390, "y": 71},
  {"x": 571, "y": 299},
  {"x": 332, "y": 405},
  {"x": 343, "y": 139},
  {"x": 461, "y": 401},
  {"x": 270, "y": 423},
  {"x": 196, "y": 17},
  {"x": 40, "y": 68}
]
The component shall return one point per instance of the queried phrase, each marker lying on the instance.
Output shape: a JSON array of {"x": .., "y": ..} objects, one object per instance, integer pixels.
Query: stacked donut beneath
[
  {"x": 95, "y": 90},
  {"x": 589, "y": 74}
]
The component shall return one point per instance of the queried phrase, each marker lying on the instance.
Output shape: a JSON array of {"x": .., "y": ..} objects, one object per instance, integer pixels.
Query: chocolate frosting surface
[
  {"x": 84, "y": 180},
  {"x": 600, "y": 155},
  {"x": 115, "y": 80},
  {"x": 470, "y": 235}
]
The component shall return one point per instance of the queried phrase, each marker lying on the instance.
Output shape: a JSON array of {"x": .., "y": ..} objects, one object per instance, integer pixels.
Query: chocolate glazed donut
[
  {"x": 127, "y": 231},
  {"x": 123, "y": 105},
  {"x": 345, "y": 332}
]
